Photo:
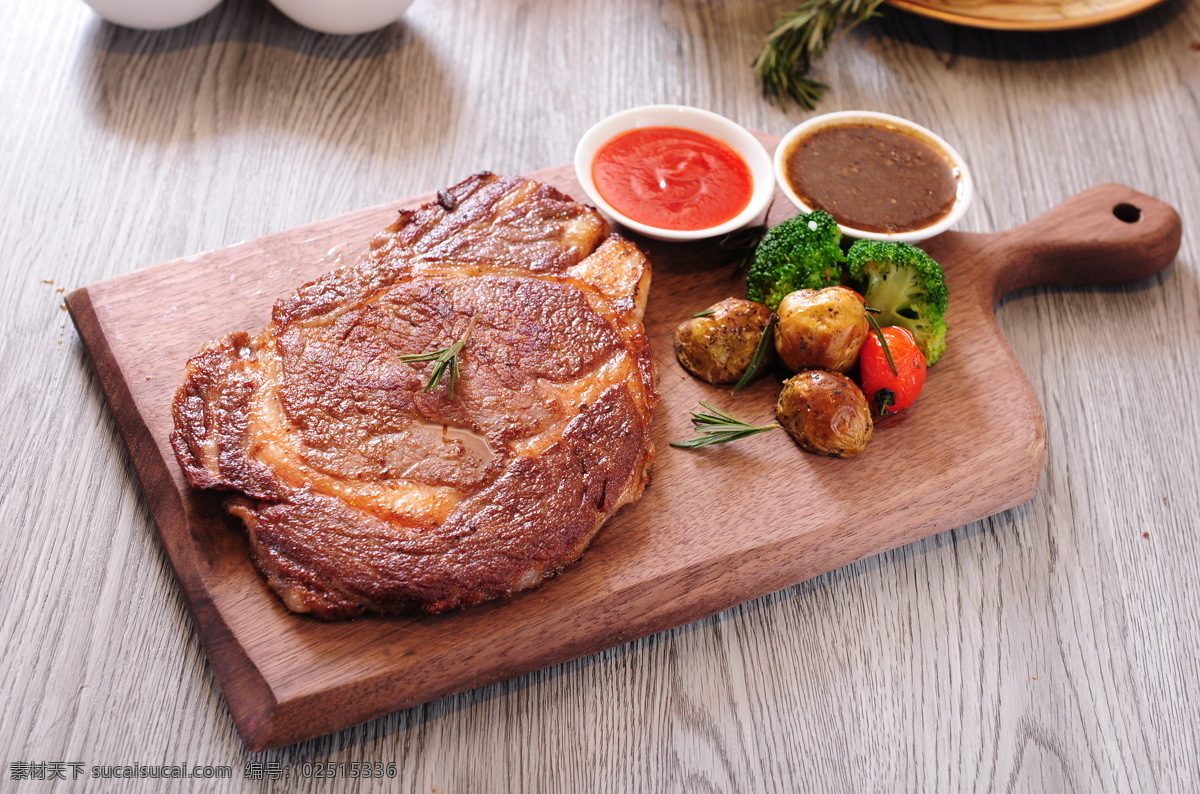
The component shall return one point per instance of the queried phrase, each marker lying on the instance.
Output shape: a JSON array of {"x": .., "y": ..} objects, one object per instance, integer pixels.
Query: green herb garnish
[
  {"x": 718, "y": 427},
  {"x": 765, "y": 343},
  {"x": 799, "y": 39},
  {"x": 887, "y": 350},
  {"x": 445, "y": 359},
  {"x": 742, "y": 244}
]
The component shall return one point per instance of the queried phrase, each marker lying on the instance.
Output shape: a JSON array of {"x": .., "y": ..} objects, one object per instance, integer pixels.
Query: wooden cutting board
[{"x": 715, "y": 528}]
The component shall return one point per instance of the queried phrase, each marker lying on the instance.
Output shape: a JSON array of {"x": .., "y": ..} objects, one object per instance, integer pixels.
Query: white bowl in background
[
  {"x": 965, "y": 188},
  {"x": 736, "y": 136},
  {"x": 152, "y": 14},
  {"x": 343, "y": 17}
]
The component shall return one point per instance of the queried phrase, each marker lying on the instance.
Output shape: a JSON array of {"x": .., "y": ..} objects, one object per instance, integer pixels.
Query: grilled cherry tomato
[{"x": 888, "y": 392}]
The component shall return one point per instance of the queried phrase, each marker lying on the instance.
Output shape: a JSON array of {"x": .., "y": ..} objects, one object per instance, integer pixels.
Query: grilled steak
[{"x": 364, "y": 492}]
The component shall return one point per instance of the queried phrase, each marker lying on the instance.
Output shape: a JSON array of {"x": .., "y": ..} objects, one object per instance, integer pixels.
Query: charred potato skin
[
  {"x": 826, "y": 413},
  {"x": 718, "y": 347},
  {"x": 821, "y": 329}
]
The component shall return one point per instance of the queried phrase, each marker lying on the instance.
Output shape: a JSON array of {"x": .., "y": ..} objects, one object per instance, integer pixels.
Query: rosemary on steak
[
  {"x": 718, "y": 427},
  {"x": 798, "y": 40},
  {"x": 444, "y": 360},
  {"x": 765, "y": 343}
]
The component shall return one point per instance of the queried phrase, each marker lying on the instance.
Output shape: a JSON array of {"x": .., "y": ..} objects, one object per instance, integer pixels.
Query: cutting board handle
[{"x": 1108, "y": 234}]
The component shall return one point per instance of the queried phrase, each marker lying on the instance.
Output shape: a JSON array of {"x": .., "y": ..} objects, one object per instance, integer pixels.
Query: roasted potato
[
  {"x": 826, "y": 413},
  {"x": 821, "y": 329},
  {"x": 718, "y": 347}
]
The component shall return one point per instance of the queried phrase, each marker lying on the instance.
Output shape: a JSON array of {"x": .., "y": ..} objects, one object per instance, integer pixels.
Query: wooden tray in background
[
  {"x": 1028, "y": 15},
  {"x": 715, "y": 528}
]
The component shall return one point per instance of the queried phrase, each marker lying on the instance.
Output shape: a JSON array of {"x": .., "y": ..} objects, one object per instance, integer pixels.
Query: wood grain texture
[{"x": 912, "y": 670}]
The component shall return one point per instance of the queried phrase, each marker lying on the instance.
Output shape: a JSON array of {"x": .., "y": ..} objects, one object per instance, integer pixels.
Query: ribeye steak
[{"x": 363, "y": 492}]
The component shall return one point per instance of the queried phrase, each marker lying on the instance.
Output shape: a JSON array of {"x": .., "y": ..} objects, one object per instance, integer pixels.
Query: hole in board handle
[{"x": 1127, "y": 213}]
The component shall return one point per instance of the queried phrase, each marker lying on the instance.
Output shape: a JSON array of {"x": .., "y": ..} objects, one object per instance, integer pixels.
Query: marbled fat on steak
[{"x": 361, "y": 491}]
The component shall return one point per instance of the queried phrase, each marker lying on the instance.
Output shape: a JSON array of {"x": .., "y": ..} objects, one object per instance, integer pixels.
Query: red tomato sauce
[{"x": 672, "y": 178}]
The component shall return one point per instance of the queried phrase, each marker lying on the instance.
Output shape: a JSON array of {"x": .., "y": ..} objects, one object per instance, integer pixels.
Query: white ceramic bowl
[
  {"x": 962, "y": 200},
  {"x": 152, "y": 14},
  {"x": 733, "y": 134},
  {"x": 343, "y": 17}
]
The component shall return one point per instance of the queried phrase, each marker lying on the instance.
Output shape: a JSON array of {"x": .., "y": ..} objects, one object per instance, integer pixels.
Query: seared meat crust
[{"x": 361, "y": 491}]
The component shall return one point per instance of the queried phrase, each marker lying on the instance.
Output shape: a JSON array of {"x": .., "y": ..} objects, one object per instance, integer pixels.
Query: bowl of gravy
[{"x": 880, "y": 176}]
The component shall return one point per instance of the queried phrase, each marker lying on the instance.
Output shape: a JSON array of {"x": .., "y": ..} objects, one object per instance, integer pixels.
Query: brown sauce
[{"x": 873, "y": 178}]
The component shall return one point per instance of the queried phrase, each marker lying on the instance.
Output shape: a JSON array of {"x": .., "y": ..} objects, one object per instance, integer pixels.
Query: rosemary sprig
[
  {"x": 742, "y": 244},
  {"x": 445, "y": 359},
  {"x": 705, "y": 313},
  {"x": 765, "y": 343},
  {"x": 883, "y": 342},
  {"x": 718, "y": 427},
  {"x": 798, "y": 40}
]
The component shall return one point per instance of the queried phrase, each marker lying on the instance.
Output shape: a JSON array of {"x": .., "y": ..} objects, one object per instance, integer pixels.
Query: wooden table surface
[{"x": 1048, "y": 648}]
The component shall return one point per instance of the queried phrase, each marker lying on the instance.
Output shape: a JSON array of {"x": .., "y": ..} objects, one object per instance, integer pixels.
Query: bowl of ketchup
[{"x": 674, "y": 172}]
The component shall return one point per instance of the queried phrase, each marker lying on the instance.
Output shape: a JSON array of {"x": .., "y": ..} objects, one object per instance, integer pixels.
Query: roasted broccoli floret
[
  {"x": 803, "y": 252},
  {"x": 906, "y": 285}
]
